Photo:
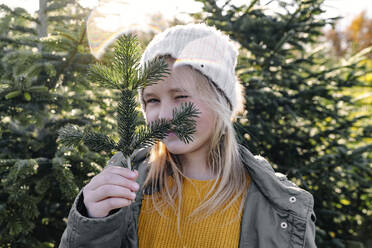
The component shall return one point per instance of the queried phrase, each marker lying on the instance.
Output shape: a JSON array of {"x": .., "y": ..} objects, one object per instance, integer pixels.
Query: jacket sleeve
[
  {"x": 82, "y": 231},
  {"x": 310, "y": 231}
]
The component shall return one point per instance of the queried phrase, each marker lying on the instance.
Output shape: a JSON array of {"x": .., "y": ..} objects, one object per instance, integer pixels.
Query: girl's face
[{"x": 160, "y": 100}]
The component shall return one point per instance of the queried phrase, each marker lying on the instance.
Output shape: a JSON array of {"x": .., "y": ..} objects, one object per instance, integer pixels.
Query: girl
[{"x": 210, "y": 192}]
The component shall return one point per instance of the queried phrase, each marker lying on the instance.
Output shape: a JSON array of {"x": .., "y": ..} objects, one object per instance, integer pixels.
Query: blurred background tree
[
  {"x": 43, "y": 87},
  {"x": 308, "y": 111},
  {"x": 296, "y": 113},
  {"x": 353, "y": 41},
  {"x": 356, "y": 36}
]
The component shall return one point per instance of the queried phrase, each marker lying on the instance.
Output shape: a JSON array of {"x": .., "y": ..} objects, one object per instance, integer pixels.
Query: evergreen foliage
[
  {"x": 296, "y": 115},
  {"x": 42, "y": 88},
  {"x": 126, "y": 75}
]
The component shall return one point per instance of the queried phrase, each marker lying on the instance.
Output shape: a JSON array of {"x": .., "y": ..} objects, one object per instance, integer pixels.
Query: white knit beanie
[{"x": 205, "y": 49}]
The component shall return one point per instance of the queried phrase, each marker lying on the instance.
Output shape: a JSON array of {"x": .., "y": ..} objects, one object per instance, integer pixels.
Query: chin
[{"x": 177, "y": 147}]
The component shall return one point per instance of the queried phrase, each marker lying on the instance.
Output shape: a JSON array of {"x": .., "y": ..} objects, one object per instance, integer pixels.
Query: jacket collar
[{"x": 275, "y": 186}]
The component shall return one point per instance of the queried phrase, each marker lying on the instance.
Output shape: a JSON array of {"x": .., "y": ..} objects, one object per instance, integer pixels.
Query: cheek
[
  {"x": 205, "y": 121},
  {"x": 149, "y": 116}
]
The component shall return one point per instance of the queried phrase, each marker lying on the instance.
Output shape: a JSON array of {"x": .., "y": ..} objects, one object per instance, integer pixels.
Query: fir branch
[
  {"x": 10, "y": 162},
  {"x": 98, "y": 142},
  {"x": 127, "y": 117},
  {"x": 148, "y": 136},
  {"x": 70, "y": 135},
  {"x": 58, "y": 5},
  {"x": 126, "y": 59},
  {"x": 104, "y": 75},
  {"x": 184, "y": 122},
  {"x": 17, "y": 41},
  {"x": 23, "y": 29},
  {"x": 153, "y": 71},
  {"x": 60, "y": 18},
  {"x": 20, "y": 12}
]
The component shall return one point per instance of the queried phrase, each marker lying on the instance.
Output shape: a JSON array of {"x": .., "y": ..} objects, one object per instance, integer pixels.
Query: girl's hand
[{"x": 112, "y": 188}]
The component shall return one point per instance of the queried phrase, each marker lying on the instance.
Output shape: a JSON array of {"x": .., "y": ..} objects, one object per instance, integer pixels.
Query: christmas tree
[{"x": 126, "y": 75}]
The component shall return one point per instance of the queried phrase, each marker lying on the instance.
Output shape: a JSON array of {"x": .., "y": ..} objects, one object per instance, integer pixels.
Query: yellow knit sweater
[{"x": 217, "y": 230}]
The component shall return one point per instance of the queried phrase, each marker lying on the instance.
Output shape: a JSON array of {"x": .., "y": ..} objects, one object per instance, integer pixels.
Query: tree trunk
[{"x": 42, "y": 26}]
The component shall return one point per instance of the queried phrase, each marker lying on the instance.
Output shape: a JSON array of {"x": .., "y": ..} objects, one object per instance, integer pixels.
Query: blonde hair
[{"x": 165, "y": 175}]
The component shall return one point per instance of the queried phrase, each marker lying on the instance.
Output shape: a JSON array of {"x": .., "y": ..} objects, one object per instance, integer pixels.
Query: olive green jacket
[{"x": 277, "y": 213}]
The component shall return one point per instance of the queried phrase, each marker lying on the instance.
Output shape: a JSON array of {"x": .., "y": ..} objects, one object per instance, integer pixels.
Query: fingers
[
  {"x": 112, "y": 188},
  {"x": 113, "y": 179},
  {"x": 108, "y": 191},
  {"x": 124, "y": 172},
  {"x": 115, "y": 176},
  {"x": 113, "y": 203}
]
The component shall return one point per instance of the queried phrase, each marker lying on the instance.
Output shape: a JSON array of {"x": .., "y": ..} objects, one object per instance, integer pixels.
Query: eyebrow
[{"x": 173, "y": 90}]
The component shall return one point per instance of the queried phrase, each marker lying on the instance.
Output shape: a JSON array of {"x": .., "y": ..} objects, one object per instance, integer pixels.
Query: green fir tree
[{"x": 44, "y": 58}]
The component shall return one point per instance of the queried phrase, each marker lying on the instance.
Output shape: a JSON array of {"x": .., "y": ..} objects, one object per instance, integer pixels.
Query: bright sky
[{"x": 346, "y": 8}]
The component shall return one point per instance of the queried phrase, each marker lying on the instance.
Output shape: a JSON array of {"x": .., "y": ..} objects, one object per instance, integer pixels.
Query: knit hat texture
[{"x": 205, "y": 49}]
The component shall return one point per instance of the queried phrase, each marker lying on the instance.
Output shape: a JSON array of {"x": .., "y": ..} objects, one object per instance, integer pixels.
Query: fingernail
[
  {"x": 136, "y": 186},
  {"x": 133, "y": 195}
]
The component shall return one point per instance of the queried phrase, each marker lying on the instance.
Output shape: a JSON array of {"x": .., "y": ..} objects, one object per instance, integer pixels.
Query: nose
[{"x": 166, "y": 111}]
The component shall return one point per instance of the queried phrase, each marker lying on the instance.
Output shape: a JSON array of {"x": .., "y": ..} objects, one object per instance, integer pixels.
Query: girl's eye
[
  {"x": 181, "y": 96},
  {"x": 151, "y": 100}
]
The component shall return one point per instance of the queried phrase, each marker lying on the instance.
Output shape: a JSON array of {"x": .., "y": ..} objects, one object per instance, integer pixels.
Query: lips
[{"x": 171, "y": 134}]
